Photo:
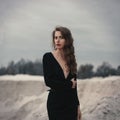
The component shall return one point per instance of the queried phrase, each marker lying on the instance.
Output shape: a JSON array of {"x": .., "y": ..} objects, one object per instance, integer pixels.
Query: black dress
[{"x": 62, "y": 100}]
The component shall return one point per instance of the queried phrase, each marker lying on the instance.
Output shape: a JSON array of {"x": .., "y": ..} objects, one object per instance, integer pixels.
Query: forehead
[{"x": 58, "y": 33}]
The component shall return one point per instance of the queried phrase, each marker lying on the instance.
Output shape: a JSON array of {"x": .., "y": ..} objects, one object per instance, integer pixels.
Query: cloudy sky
[{"x": 26, "y": 27}]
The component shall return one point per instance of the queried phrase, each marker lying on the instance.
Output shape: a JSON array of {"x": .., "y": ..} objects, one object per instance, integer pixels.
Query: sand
[{"x": 23, "y": 97}]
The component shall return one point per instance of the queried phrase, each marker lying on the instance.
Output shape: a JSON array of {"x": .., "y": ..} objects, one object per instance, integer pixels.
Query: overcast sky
[{"x": 26, "y": 27}]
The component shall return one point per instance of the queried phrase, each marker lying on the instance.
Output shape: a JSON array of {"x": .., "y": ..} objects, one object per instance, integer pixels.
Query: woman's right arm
[{"x": 49, "y": 75}]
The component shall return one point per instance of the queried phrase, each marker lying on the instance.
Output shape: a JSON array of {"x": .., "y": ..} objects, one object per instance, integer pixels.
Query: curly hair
[{"x": 68, "y": 49}]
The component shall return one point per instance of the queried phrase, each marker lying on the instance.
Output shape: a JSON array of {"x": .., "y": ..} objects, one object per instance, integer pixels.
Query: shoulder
[
  {"x": 47, "y": 55},
  {"x": 47, "y": 58}
]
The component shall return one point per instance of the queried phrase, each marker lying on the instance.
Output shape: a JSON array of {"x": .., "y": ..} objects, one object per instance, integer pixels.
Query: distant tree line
[
  {"x": 23, "y": 67},
  {"x": 36, "y": 68},
  {"x": 104, "y": 70}
]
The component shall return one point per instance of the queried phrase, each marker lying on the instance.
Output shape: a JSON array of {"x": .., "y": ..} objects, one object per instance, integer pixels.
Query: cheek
[
  {"x": 54, "y": 41},
  {"x": 63, "y": 42}
]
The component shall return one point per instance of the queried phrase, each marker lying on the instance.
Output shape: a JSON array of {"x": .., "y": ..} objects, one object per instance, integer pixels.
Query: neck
[{"x": 60, "y": 52}]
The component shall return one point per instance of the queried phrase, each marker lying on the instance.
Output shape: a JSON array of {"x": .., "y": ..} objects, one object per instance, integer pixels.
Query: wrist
[{"x": 73, "y": 83}]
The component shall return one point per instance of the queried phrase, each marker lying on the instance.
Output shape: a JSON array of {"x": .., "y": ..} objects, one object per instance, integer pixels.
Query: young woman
[{"x": 60, "y": 68}]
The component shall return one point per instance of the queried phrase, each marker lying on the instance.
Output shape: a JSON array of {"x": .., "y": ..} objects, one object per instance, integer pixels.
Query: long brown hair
[{"x": 68, "y": 49}]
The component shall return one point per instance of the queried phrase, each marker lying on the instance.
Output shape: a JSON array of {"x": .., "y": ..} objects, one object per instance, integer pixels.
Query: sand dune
[
  {"x": 100, "y": 98},
  {"x": 23, "y": 97}
]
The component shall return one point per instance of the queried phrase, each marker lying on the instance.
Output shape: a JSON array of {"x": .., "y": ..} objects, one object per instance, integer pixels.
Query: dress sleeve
[
  {"x": 49, "y": 75},
  {"x": 76, "y": 93}
]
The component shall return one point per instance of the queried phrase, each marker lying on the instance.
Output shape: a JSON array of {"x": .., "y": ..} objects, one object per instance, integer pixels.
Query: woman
[{"x": 60, "y": 68}]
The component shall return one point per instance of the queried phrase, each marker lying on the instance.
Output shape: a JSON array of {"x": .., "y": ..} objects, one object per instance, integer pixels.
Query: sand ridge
[{"x": 23, "y": 97}]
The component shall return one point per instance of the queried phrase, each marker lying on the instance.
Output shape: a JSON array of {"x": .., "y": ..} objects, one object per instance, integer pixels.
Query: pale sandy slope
[
  {"x": 100, "y": 98},
  {"x": 23, "y": 97}
]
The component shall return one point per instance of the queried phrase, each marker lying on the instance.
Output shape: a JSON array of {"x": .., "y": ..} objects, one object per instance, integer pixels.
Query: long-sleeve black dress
[{"x": 62, "y": 102}]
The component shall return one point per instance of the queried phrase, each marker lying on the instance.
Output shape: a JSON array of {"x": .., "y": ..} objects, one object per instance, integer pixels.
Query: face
[{"x": 59, "y": 41}]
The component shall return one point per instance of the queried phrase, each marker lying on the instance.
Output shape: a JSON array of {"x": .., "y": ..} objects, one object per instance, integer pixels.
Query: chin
[{"x": 59, "y": 48}]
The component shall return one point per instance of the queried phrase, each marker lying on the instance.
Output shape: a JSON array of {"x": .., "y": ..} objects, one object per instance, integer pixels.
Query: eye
[
  {"x": 61, "y": 37},
  {"x": 55, "y": 37}
]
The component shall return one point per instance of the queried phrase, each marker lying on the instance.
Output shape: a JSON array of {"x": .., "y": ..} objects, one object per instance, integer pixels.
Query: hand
[
  {"x": 79, "y": 116},
  {"x": 74, "y": 83}
]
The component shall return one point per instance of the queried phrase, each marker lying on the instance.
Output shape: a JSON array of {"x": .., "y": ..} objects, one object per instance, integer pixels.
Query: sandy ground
[{"x": 23, "y": 97}]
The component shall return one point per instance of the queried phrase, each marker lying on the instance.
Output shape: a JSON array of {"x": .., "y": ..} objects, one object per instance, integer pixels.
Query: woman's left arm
[
  {"x": 76, "y": 92},
  {"x": 79, "y": 116}
]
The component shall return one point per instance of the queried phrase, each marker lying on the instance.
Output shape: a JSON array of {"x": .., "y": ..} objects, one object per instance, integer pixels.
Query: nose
[{"x": 57, "y": 41}]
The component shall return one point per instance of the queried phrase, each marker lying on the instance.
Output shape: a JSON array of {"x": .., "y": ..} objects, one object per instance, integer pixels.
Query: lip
[{"x": 58, "y": 44}]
